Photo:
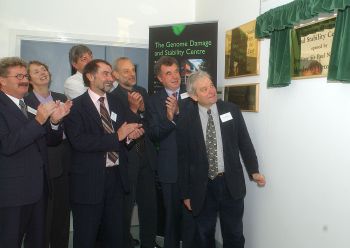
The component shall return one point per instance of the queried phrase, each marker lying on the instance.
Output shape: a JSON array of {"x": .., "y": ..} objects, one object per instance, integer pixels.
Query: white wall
[
  {"x": 108, "y": 20},
  {"x": 302, "y": 138}
]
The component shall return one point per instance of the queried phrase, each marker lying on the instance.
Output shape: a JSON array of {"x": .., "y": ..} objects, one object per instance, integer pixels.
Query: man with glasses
[
  {"x": 79, "y": 56},
  {"x": 24, "y": 136}
]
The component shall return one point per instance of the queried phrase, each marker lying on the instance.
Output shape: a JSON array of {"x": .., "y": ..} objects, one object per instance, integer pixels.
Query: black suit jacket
[
  {"x": 163, "y": 131},
  {"x": 57, "y": 163},
  {"x": 90, "y": 144},
  {"x": 193, "y": 159},
  {"x": 122, "y": 95},
  {"x": 23, "y": 154}
]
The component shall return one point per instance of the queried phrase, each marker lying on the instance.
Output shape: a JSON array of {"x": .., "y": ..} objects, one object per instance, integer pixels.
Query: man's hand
[
  {"x": 187, "y": 203},
  {"x": 259, "y": 179},
  {"x": 44, "y": 111},
  {"x": 61, "y": 111},
  {"x": 172, "y": 107},
  {"x": 136, "y": 134},
  {"x": 135, "y": 102},
  {"x": 127, "y": 129}
]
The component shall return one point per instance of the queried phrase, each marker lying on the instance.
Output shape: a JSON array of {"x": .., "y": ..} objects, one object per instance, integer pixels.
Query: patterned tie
[
  {"x": 211, "y": 146},
  {"x": 23, "y": 107},
  {"x": 175, "y": 95},
  {"x": 107, "y": 125},
  {"x": 140, "y": 145}
]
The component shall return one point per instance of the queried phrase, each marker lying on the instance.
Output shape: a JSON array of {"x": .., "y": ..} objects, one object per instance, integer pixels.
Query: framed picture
[
  {"x": 311, "y": 49},
  {"x": 246, "y": 96},
  {"x": 241, "y": 51}
]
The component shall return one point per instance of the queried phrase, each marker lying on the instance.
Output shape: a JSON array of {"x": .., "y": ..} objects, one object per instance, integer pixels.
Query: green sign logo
[{"x": 178, "y": 29}]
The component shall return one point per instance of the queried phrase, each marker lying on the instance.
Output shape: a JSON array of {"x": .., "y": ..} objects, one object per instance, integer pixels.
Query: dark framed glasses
[{"x": 20, "y": 76}]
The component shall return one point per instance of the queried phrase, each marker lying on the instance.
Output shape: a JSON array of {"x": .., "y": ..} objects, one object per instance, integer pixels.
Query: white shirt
[
  {"x": 204, "y": 121},
  {"x": 95, "y": 99},
  {"x": 74, "y": 86}
]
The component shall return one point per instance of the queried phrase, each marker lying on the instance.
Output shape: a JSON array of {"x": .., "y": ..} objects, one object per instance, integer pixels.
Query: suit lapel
[
  {"x": 197, "y": 124},
  {"x": 113, "y": 109},
  {"x": 91, "y": 109},
  {"x": 32, "y": 101},
  {"x": 224, "y": 128},
  {"x": 12, "y": 107}
]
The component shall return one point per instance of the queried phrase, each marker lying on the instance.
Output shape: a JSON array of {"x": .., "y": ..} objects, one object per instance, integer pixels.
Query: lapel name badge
[
  {"x": 226, "y": 117},
  {"x": 113, "y": 116},
  {"x": 184, "y": 95},
  {"x": 31, "y": 110}
]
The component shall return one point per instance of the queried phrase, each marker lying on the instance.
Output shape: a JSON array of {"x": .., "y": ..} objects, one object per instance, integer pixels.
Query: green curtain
[
  {"x": 339, "y": 63},
  {"x": 280, "y": 59},
  {"x": 283, "y": 18},
  {"x": 287, "y": 15}
]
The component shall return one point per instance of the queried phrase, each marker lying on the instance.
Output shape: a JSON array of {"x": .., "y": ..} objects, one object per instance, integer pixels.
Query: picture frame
[
  {"x": 242, "y": 51},
  {"x": 246, "y": 96},
  {"x": 311, "y": 48}
]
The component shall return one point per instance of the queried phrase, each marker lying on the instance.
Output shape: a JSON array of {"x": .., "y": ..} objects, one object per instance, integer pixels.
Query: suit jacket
[
  {"x": 122, "y": 95},
  {"x": 90, "y": 144},
  {"x": 163, "y": 131},
  {"x": 193, "y": 159},
  {"x": 23, "y": 154},
  {"x": 57, "y": 163}
]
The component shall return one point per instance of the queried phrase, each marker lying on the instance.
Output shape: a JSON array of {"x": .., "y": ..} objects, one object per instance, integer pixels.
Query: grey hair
[
  {"x": 193, "y": 78},
  {"x": 8, "y": 62},
  {"x": 76, "y": 52},
  {"x": 118, "y": 60}
]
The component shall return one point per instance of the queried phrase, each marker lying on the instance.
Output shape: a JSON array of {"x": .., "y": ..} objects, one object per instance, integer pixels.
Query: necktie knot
[
  {"x": 175, "y": 95},
  {"x": 102, "y": 100},
  {"x": 209, "y": 111},
  {"x": 23, "y": 107}
]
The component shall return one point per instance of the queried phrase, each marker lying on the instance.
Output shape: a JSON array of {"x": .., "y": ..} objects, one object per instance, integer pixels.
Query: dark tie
[
  {"x": 175, "y": 95},
  {"x": 140, "y": 145},
  {"x": 211, "y": 146},
  {"x": 107, "y": 125},
  {"x": 23, "y": 107}
]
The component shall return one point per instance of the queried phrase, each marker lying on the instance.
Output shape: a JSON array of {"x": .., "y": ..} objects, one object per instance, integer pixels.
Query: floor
[{"x": 134, "y": 231}]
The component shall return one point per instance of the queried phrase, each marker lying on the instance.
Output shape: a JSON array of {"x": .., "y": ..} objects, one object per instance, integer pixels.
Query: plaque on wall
[
  {"x": 241, "y": 51},
  {"x": 311, "y": 49},
  {"x": 246, "y": 96}
]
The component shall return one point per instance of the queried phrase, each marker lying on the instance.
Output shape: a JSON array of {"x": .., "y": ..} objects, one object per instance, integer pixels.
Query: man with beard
[
  {"x": 141, "y": 158},
  {"x": 99, "y": 135}
]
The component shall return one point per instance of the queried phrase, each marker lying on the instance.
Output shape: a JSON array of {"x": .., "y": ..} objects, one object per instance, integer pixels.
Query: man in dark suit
[
  {"x": 58, "y": 210},
  {"x": 97, "y": 131},
  {"x": 24, "y": 135},
  {"x": 212, "y": 179},
  {"x": 141, "y": 158},
  {"x": 164, "y": 112}
]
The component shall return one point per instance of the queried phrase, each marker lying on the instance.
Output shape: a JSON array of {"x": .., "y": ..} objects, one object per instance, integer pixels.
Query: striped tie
[
  {"x": 23, "y": 107},
  {"x": 107, "y": 125}
]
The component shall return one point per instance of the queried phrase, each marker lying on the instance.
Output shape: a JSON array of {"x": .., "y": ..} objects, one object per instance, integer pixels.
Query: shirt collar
[
  {"x": 14, "y": 99},
  {"x": 78, "y": 73},
  {"x": 95, "y": 97},
  {"x": 43, "y": 99},
  {"x": 170, "y": 92},
  {"x": 213, "y": 108}
]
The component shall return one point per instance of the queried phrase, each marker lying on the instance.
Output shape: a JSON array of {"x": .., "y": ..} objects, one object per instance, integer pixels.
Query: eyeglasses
[{"x": 20, "y": 76}]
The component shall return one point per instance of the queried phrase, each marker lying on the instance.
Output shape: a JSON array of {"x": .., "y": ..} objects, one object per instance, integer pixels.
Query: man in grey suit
[
  {"x": 141, "y": 157},
  {"x": 212, "y": 179}
]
